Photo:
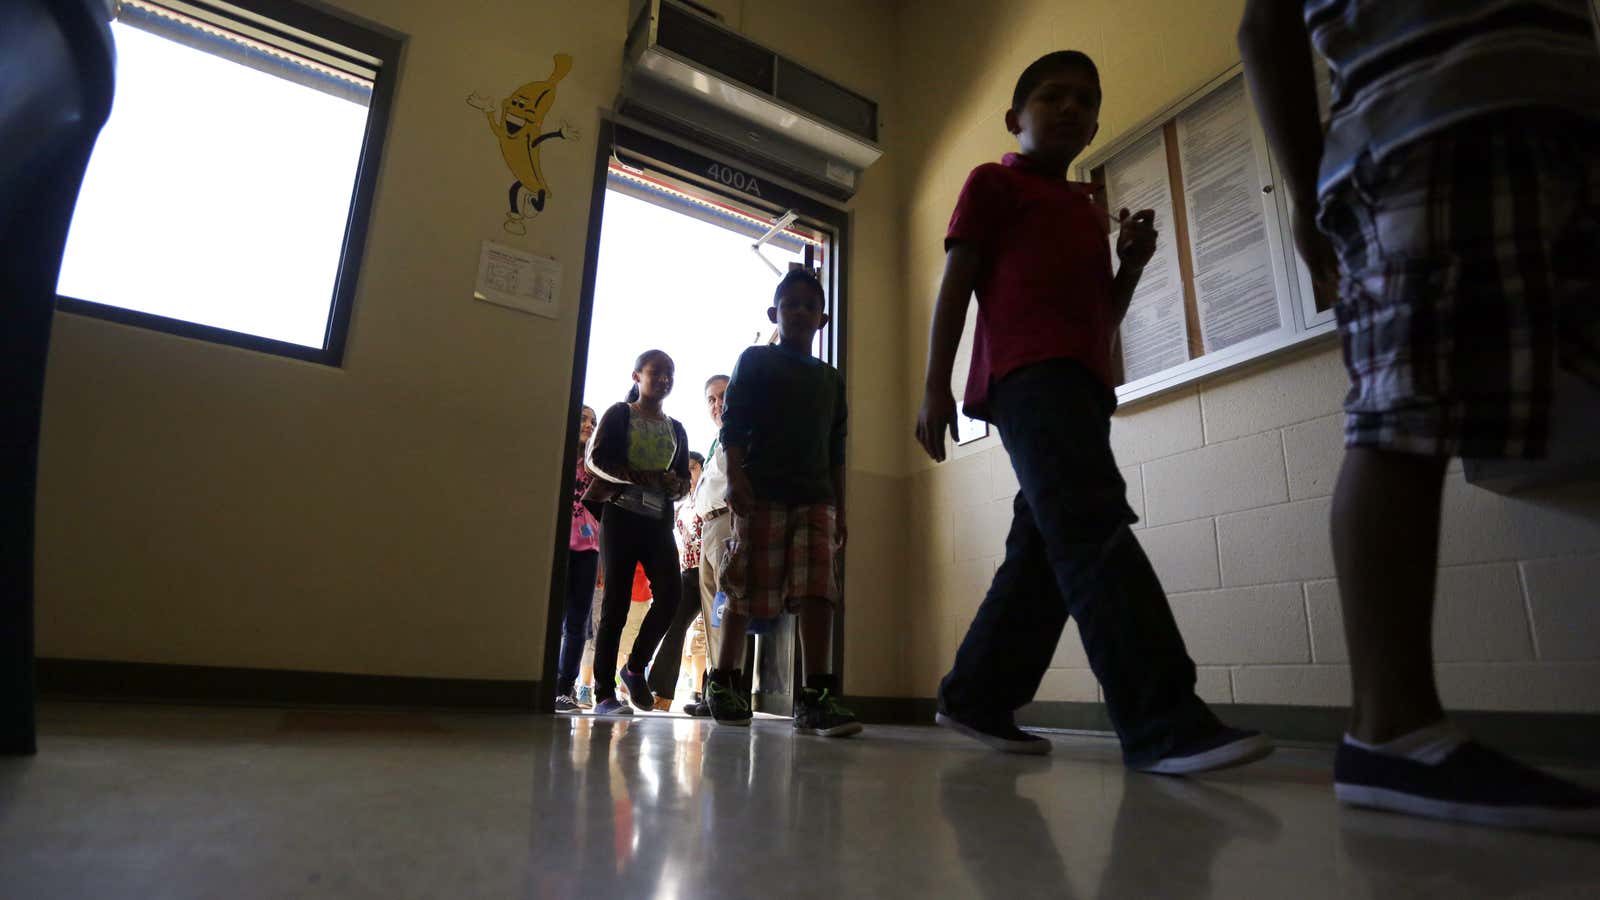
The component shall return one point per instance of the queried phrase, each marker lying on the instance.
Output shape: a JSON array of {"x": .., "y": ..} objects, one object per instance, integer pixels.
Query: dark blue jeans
[
  {"x": 582, "y": 567},
  {"x": 1070, "y": 553}
]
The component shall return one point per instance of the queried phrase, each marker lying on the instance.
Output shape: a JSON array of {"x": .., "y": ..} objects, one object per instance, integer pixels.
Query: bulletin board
[{"x": 1225, "y": 286}]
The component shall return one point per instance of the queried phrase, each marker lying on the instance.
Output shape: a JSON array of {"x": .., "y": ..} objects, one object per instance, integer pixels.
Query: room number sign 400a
[{"x": 734, "y": 178}]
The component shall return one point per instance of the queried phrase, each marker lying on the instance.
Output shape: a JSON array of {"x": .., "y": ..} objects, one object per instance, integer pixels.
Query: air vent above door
[{"x": 691, "y": 74}]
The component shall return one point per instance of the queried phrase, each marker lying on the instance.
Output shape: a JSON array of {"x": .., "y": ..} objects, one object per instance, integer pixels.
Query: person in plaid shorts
[
  {"x": 783, "y": 431},
  {"x": 1453, "y": 202}
]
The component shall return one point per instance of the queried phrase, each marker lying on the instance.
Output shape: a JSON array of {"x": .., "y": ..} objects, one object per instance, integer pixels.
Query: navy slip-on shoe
[{"x": 1474, "y": 784}]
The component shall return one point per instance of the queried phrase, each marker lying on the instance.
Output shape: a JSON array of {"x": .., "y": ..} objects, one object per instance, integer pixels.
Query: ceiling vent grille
[{"x": 691, "y": 74}]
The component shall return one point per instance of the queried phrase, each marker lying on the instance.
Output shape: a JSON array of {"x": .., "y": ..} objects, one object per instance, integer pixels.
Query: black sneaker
[
  {"x": 1473, "y": 784},
  {"x": 638, "y": 690},
  {"x": 727, "y": 705},
  {"x": 1003, "y": 736},
  {"x": 819, "y": 712},
  {"x": 697, "y": 707},
  {"x": 566, "y": 704},
  {"x": 1221, "y": 748}
]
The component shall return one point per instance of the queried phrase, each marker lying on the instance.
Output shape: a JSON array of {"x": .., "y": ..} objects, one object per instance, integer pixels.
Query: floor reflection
[
  {"x": 1395, "y": 855},
  {"x": 153, "y": 801},
  {"x": 1182, "y": 826},
  {"x": 683, "y": 809},
  {"x": 1165, "y": 841},
  {"x": 1011, "y": 833},
  {"x": 626, "y": 804}
]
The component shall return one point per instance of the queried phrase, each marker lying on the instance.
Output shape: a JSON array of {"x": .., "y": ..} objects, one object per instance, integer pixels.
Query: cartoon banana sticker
[{"x": 519, "y": 129}]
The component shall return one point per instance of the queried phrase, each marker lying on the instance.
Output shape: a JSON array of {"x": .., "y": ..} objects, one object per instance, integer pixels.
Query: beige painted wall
[
  {"x": 1232, "y": 476},
  {"x": 211, "y": 506}
]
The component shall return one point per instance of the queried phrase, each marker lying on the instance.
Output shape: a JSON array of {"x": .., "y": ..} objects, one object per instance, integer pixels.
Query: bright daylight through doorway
[{"x": 675, "y": 282}]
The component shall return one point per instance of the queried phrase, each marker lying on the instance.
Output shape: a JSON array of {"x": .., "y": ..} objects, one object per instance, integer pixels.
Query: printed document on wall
[
  {"x": 1155, "y": 334},
  {"x": 1233, "y": 278},
  {"x": 514, "y": 278}
]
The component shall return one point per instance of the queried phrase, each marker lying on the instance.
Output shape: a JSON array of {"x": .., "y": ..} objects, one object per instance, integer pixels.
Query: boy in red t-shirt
[{"x": 1034, "y": 247}]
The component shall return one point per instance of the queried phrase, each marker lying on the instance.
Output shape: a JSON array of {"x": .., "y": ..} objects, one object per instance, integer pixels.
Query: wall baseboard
[
  {"x": 1570, "y": 737},
  {"x": 79, "y": 679},
  {"x": 1566, "y": 737}
]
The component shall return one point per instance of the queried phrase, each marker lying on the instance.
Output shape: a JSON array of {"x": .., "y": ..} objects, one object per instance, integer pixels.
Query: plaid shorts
[
  {"x": 778, "y": 555},
  {"x": 1470, "y": 269}
]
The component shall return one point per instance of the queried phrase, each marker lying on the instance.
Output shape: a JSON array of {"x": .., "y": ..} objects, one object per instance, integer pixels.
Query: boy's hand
[
  {"x": 1136, "y": 238},
  {"x": 741, "y": 498},
  {"x": 938, "y": 413},
  {"x": 1315, "y": 249}
]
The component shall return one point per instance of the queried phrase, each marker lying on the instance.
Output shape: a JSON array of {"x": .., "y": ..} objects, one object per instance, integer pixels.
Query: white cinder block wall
[{"x": 1232, "y": 481}]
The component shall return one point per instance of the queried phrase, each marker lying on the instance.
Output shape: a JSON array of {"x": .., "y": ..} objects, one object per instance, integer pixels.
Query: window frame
[
  {"x": 367, "y": 38},
  {"x": 1303, "y": 324}
]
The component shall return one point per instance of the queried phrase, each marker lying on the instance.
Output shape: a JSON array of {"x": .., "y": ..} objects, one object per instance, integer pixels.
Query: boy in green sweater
[{"x": 783, "y": 430}]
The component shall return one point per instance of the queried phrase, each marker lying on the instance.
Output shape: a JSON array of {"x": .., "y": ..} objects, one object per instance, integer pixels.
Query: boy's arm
[
  {"x": 1277, "y": 65},
  {"x": 949, "y": 316},
  {"x": 735, "y": 434},
  {"x": 842, "y": 532},
  {"x": 836, "y": 438},
  {"x": 740, "y": 495},
  {"x": 1136, "y": 243}
]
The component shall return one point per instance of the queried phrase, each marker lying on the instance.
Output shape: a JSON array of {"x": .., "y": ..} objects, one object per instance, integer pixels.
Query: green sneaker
[
  {"x": 727, "y": 705},
  {"x": 819, "y": 712}
]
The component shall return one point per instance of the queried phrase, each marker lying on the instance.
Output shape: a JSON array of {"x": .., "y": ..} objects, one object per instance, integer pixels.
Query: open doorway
[
  {"x": 685, "y": 249},
  {"x": 681, "y": 272}
]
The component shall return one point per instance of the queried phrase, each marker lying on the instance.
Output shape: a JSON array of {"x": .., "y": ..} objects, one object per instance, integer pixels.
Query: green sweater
[{"x": 787, "y": 410}]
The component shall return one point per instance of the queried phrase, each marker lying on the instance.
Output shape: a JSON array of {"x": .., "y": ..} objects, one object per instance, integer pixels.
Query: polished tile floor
[{"x": 151, "y": 801}]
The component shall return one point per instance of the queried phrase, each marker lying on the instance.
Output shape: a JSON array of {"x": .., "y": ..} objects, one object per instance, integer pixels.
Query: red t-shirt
[{"x": 1044, "y": 286}]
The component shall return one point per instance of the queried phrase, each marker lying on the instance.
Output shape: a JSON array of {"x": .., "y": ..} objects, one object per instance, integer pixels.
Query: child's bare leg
[
  {"x": 723, "y": 692},
  {"x": 817, "y": 709},
  {"x": 1386, "y": 550},
  {"x": 816, "y": 637},
  {"x": 730, "y": 647},
  {"x": 697, "y": 671}
]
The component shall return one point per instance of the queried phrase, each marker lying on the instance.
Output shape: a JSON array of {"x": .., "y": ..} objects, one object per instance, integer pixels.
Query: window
[
  {"x": 1225, "y": 286},
  {"x": 228, "y": 195}
]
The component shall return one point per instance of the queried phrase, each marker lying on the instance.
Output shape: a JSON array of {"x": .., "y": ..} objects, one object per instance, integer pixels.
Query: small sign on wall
[{"x": 518, "y": 279}]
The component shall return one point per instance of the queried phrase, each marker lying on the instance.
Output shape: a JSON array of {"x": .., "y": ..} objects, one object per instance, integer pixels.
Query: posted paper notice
[
  {"x": 1155, "y": 334},
  {"x": 518, "y": 279},
  {"x": 1233, "y": 278}
]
